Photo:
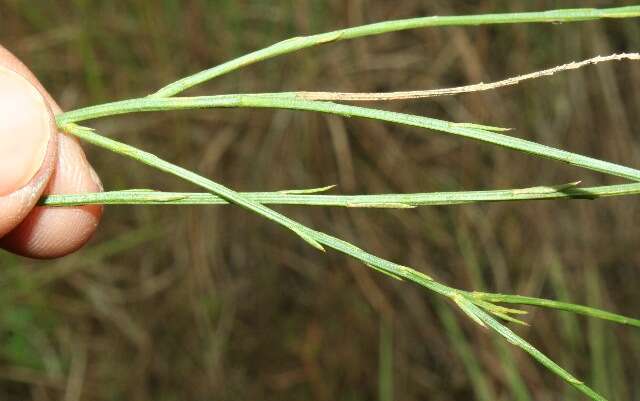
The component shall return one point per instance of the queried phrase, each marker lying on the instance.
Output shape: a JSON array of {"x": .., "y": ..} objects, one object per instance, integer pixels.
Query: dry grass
[{"x": 175, "y": 303}]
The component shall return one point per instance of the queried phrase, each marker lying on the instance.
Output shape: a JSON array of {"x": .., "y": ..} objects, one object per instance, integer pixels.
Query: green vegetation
[
  {"x": 481, "y": 307},
  {"x": 478, "y": 307}
]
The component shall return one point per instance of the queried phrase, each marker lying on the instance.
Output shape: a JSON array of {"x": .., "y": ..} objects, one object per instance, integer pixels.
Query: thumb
[{"x": 27, "y": 147}]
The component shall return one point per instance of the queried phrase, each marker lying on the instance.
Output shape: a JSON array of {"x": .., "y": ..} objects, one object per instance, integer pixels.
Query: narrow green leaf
[
  {"x": 306, "y": 237},
  {"x": 466, "y": 307},
  {"x": 480, "y": 126},
  {"x": 531, "y": 350},
  {"x": 146, "y": 197},
  {"x": 279, "y": 102},
  {"x": 307, "y": 191},
  {"x": 564, "y": 306},
  {"x": 384, "y": 272},
  {"x": 303, "y": 42}
]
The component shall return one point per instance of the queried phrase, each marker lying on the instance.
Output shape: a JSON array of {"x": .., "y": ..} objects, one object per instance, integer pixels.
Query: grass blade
[
  {"x": 279, "y": 102},
  {"x": 231, "y": 196},
  {"x": 477, "y": 308},
  {"x": 563, "y": 306},
  {"x": 519, "y": 342},
  {"x": 303, "y": 42},
  {"x": 481, "y": 87},
  {"x": 150, "y": 197},
  {"x": 313, "y": 237},
  {"x": 339, "y": 245}
]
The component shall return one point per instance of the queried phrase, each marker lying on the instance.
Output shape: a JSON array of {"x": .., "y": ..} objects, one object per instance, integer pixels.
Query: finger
[
  {"x": 53, "y": 232},
  {"x": 28, "y": 145}
]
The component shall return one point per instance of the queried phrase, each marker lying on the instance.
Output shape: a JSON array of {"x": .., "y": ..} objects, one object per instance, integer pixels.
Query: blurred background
[{"x": 213, "y": 303}]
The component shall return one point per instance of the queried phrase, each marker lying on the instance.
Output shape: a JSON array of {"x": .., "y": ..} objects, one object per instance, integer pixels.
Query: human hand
[{"x": 36, "y": 159}]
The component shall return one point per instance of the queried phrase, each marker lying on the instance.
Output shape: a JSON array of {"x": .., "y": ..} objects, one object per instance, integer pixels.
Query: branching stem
[{"x": 478, "y": 306}]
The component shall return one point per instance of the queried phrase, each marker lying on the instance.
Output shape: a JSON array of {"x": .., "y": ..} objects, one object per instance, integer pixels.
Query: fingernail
[{"x": 25, "y": 129}]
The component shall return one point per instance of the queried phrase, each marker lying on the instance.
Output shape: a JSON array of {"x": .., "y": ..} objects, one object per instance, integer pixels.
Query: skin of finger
[
  {"x": 14, "y": 207},
  {"x": 52, "y": 232}
]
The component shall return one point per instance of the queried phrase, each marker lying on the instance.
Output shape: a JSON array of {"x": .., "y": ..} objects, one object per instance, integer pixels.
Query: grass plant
[{"x": 483, "y": 308}]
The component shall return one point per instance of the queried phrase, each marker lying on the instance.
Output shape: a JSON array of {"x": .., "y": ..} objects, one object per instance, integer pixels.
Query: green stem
[
  {"x": 391, "y": 201},
  {"x": 283, "y": 102},
  {"x": 516, "y": 340},
  {"x": 471, "y": 304},
  {"x": 462, "y": 298},
  {"x": 303, "y": 42},
  {"x": 313, "y": 237},
  {"x": 564, "y": 306}
]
